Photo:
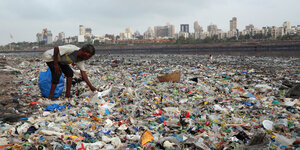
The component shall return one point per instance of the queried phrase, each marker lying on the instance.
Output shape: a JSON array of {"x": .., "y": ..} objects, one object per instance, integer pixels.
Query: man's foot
[
  {"x": 53, "y": 98},
  {"x": 68, "y": 96}
]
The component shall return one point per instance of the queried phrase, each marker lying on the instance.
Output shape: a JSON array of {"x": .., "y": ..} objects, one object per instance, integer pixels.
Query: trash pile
[{"x": 228, "y": 102}]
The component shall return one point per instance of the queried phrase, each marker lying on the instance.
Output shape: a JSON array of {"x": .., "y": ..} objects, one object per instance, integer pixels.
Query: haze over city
[{"x": 24, "y": 19}]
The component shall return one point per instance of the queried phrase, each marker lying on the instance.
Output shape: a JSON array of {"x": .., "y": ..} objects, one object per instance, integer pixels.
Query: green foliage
[
  {"x": 180, "y": 40},
  {"x": 191, "y": 40},
  {"x": 289, "y": 37}
]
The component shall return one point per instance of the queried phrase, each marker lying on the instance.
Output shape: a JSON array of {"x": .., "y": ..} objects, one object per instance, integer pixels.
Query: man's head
[{"x": 87, "y": 51}]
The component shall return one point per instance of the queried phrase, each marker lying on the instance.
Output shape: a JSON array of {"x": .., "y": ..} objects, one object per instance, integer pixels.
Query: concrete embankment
[
  {"x": 266, "y": 48},
  {"x": 281, "y": 49}
]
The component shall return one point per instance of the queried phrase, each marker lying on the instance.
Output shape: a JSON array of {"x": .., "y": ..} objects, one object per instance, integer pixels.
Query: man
[{"x": 58, "y": 60}]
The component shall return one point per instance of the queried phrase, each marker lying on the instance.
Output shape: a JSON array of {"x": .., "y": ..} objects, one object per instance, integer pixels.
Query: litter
[{"x": 157, "y": 102}]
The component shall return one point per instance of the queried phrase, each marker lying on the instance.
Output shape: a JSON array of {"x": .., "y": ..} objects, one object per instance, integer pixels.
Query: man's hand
[
  {"x": 93, "y": 89},
  {"x": 85, "y": 78}
]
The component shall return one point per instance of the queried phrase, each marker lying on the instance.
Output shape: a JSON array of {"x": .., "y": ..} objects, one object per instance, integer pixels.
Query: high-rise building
[
  {"x": 274, "y": 32},
  {"x": 267, "y": 30},
  {"x": 212, "y": 29},
  {"x": 128, "y": 30},
  {"x": 160, "y": 31},
  {"x": 281, "y": 31},
  {"x": 122, "y": 36},
  {"x": 249, "y": 27},
  {"x": 127, "y": 34},
  {"x": 221, "y": 34},
  {"x": 149, "y": 34},
  {"x": 45, "y": 36},
  {"x": 233, "y": 32},
  {"x": 137, "y": 35},
  {"x": 88, "y": 31},
  {"x": 184, "y": 28},
  {"x": 71, "y": 39},
  {"x": 39, "y": 37},
  {"x": 233, "y": 24},
  {"x": 85, "y": 34},
  {"x": 286, "y": 27},
  {"x": 49, "y": 37},
  {"x": 167, "y": 31},
  {"x": 197, "y": 27},
  {"x": 55, "y": 39},
  {"x": 81, "y": 30},
  {"x": 61, "y": 36},
  {"x": 171, "y": 30}
]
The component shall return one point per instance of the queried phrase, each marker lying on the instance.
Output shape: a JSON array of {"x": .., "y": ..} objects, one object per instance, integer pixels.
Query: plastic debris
[
  {"x": 174, "y": 77},
  {"x": 146, "y": 137},
  {"x": 54, "y": 107},
  {"x": 157, "y": 102}
]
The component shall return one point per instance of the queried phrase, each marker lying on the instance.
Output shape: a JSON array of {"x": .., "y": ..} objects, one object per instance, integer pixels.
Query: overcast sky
[{"x": 25, "y": 18}]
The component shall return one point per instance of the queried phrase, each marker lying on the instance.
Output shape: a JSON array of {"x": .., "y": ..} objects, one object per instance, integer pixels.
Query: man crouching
[{"x": 59, "y": 59}]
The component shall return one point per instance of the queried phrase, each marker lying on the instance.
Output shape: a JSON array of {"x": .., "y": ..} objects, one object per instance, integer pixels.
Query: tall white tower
[{"x": 81, "y": 30}]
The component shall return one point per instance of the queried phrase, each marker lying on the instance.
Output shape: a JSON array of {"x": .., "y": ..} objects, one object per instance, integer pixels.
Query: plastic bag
[
  {"x": 45, "y": 84},
  {"x": 54, "y": 107}
]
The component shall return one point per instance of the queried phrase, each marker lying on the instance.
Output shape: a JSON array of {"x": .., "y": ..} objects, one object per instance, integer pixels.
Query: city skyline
[{"x": 104, "y": 17}]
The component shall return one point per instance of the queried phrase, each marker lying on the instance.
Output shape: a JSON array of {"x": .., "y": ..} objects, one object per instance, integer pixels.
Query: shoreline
[
  {"x": 133, "y": 46},
  {"x": 270, "y": 53}
]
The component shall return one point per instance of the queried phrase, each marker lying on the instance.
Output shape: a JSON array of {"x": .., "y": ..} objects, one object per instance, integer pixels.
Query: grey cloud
[{"x": 113, "y": 16}]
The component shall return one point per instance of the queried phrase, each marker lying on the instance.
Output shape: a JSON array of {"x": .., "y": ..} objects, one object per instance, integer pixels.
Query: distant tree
[
  {"x": 289, "y": 37},
  {"x": 206, "y": 40},
  {"x": 43, "y": 42},
  {"x": 190, "y": 40},
  {"x": 247, "y": 36},
  {"x": 241, "y": 37},
  {"x": 215, "y": 38},
  {"x": 257, "y": 36},
  {"x": 180, "y": 40}
]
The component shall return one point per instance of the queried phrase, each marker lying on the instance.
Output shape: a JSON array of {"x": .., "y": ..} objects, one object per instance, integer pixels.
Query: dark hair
[{"x": 89, "y": 48}]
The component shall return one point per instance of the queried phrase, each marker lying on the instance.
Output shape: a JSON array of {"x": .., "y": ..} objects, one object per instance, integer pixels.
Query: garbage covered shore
[{"x": 227, "y": 102}]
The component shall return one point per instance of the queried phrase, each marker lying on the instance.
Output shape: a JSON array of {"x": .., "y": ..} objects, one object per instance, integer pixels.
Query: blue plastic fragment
[
  {"x": 248, "y": 104},
  {"x": 135, "y": 128},
  {"x": 283, "y": 147},
  {"x": 105, "y": 131},
  {"x": 86, "y": 135},
  {"x": 42, "y": 138},
  {"x": 179, "y": 139},
  {"x": 134, "y": 145},
  {"x": 54, "y": 107},
  {"x": 66, "y": 147},
  {"x": 162, "y": 119},
  {"x": 250, "y": 95},
  {"x": 23, "y": 119},
  {"x": 107, "y": 112}
]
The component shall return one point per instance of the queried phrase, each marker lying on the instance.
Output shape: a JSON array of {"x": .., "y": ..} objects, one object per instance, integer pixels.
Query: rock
[{"x": 294, "y": 92}]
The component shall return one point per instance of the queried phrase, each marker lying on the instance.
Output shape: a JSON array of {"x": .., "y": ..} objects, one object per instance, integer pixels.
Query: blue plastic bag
[
  {"x": 54, "y": 107},
  {"x": 45, "y": 84}
]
